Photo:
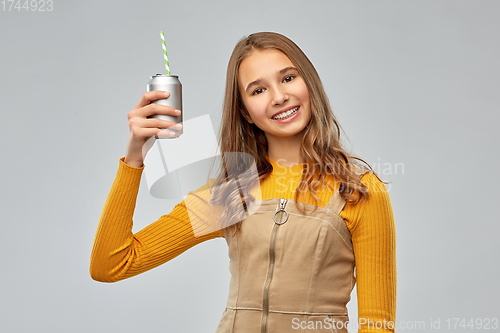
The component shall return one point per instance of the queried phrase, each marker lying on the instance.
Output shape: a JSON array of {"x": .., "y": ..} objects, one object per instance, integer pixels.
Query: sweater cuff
[
  {"x": 123, "y": 164},
  {"x": 129, "y": 173}
]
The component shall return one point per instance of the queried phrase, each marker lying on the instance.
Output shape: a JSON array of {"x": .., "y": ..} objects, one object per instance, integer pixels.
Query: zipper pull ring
[{"x": 281, "y": 211}]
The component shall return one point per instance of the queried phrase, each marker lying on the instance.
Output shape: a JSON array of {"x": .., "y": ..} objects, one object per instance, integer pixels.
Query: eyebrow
[{"x": 259, "y": 81}]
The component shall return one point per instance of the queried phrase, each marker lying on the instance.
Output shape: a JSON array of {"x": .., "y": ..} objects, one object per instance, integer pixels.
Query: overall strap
[{"x": 337, "y": 203}]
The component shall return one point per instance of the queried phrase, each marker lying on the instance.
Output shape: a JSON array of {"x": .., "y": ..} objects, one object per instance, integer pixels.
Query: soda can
[{"x": 171, "y": 84}]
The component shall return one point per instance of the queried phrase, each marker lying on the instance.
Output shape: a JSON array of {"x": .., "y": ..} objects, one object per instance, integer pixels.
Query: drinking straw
[{"x": 167, "y": 67}]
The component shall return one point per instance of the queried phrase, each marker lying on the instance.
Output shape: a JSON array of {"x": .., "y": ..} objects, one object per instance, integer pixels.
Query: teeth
[{"x": 286, "y": 114}]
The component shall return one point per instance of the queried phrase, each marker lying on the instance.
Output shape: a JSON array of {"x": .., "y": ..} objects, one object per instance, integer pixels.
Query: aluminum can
[{"x": 171, "y": 84}]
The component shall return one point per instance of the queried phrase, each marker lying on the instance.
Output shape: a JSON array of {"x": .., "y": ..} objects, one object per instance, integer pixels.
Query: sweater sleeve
[
  {"x": 374, "y": 240},
  {"x": 118, "y": 254}
]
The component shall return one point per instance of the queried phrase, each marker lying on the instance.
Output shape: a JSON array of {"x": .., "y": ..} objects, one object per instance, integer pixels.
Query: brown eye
[
  {"x": 258, "y": 91},
  {"x": 289, "y": 78}
]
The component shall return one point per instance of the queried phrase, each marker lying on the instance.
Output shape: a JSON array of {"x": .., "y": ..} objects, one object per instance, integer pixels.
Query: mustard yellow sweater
[{"x": 118, "y": 254}]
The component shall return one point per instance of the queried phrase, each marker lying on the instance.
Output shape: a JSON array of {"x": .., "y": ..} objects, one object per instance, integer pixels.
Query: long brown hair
[{"x": 321, "y": 145}]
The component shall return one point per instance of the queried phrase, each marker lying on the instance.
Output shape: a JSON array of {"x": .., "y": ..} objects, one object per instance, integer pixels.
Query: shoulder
[
  {"x": 200, "y": 196},
  {"x": 378, "y": 202},
  {"x": 377, "y": 192},
  {"x": 375, "y": 209},
  {"x": 373, "y": 183}
]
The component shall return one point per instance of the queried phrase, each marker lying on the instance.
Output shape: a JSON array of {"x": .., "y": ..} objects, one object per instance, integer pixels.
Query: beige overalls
[{"x": 290, "y": 272}]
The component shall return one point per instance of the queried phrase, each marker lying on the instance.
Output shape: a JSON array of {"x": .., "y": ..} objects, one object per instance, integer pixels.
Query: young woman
[{"x": 315, "y": 220}]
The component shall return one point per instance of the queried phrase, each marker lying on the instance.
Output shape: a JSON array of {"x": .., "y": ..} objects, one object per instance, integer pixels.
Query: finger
[
  {"x": 151, "y": 96},
  {"x": 162, "y": 124},
  {"x": 140, "y": 134},
  {"x": 156, "y": 123},
  {"x": 154, "y": 108},
  {"x": 165, "y": 133}
]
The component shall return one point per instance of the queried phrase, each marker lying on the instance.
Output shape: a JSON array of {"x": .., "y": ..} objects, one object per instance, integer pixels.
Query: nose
[{"x": 279, "y": 96}]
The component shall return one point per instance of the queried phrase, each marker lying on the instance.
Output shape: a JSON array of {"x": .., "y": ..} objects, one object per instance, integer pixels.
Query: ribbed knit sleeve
[
  {"x": 374, "y": 239},
  {"x": 118, "y": 254}
]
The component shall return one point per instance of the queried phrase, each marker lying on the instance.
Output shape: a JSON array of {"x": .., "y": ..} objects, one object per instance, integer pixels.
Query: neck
[{"x": 285, "y": 151}]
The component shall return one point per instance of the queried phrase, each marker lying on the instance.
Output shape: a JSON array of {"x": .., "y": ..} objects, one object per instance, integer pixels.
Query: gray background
[{"x": 414, "y": 84}]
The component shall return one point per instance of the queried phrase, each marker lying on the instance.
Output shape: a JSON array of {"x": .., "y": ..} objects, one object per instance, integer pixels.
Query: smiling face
[{"x": 274, "y": 94}]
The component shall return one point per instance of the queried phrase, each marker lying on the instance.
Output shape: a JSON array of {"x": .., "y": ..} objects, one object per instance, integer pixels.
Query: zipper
[{"x": 277, "y": 223}]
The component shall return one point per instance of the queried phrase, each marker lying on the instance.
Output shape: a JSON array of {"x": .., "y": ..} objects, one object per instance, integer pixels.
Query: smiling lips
[{"x": 286, "y": 114}]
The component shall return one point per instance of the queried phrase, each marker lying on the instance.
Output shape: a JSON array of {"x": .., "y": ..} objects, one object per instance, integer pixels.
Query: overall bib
[{"x": 290, "y": 272}]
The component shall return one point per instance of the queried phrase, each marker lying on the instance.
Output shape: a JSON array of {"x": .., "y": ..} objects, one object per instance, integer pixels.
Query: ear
[{"x": 250, "y": 121}]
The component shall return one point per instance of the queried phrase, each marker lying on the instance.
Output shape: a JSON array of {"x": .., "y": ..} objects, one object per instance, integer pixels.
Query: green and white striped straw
[{"x": 167, "y": 67}]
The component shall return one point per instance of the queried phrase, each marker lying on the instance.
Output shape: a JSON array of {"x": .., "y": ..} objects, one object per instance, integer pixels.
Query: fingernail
[
  {"x": 165, "y": 94},
  {"x": 177, "y": 127},
  {"x": 178, "y": 111},
  {"x": 166, "y": 133}
]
